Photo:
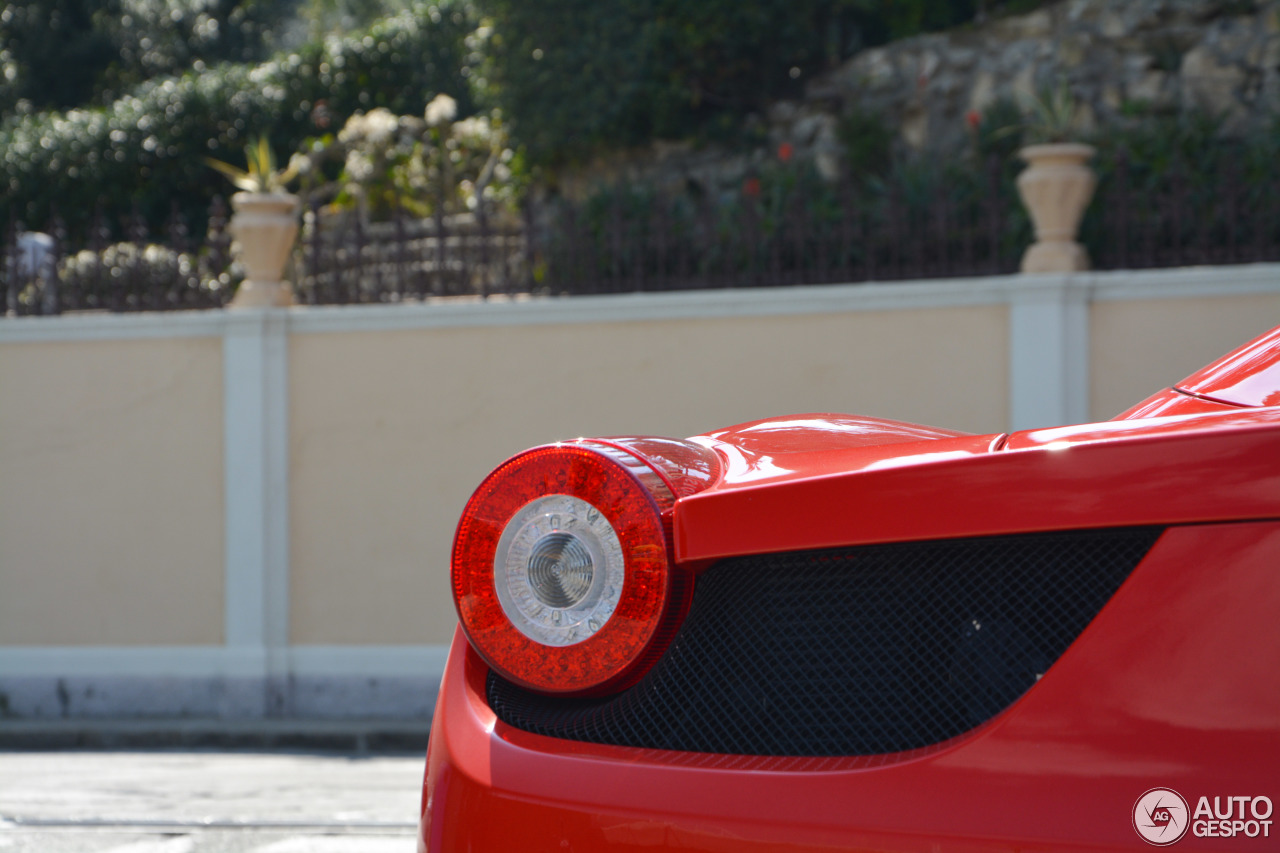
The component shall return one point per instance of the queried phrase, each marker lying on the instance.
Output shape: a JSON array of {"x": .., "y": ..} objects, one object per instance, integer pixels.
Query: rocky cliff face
[{"x": 1117, "y": 57}]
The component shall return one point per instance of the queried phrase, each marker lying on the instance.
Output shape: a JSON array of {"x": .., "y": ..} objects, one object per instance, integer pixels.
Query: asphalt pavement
[{"x": 209, "y": 801}]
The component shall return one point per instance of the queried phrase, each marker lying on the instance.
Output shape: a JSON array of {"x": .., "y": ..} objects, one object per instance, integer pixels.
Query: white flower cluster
[
  {"x": 126, "y": 259},
  {"x": 442, "y": 110},
  {"x": 375, "y": 128},
  {"x": 394, "y": 162}
]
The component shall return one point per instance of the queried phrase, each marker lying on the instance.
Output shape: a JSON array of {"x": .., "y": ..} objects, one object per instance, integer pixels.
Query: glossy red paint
[
  {"x": 822, "y": 433},
  {"x": 810, "y": 446},
  {"x": 1173, "y": 684},
  {"x": 1250, "y": 376},
  {"x": 1247, "y": 377},
  {"x": 1171, "y": 401}
]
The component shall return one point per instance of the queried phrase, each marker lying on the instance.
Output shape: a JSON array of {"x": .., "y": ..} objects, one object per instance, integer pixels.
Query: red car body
[{"x": 1173, "y": 685}]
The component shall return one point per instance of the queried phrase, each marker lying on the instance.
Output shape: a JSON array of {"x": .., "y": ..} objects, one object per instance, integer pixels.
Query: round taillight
[{"x": 562, "y": 572}]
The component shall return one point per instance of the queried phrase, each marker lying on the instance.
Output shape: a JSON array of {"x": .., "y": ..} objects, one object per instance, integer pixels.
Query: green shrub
[
  {"x": 160, "y": 38},
  {"x": 127, "y": 277},
  {"x": 146, "y": 150},
  {"x": 59, "y": 54},
  {"x": 576, "y": 77},
  {"x": 51, "y": 54},
  {"x": 867, "y": 142}
]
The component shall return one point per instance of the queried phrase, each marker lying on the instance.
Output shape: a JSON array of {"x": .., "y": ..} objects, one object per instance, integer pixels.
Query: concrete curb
[{"x": 361, "y": 736}]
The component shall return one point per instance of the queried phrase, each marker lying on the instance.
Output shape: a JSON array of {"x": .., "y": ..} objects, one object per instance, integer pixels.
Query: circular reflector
[{"x": 558, "y": 570}]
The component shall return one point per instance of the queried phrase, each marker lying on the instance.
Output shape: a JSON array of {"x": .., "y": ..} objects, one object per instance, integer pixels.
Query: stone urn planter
[
  {"x": 264, "y": 226},
  {"x": 1056, "y": 187}
]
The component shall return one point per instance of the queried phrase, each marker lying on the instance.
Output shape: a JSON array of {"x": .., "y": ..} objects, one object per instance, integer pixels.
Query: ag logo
[{"x": 1160, "y": 816}]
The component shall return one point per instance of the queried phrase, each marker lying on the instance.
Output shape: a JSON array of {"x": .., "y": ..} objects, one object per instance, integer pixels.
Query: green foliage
[
  {"x": 323, "y": 17},
  {"x": 867, "y": 141},
  {"x": 58, "y": 54},
  {"x": 1166, "y": 154},
  {"x": 1155, "y": 143},
  {"x": 904, "y": 18},
  {"x": 576, "y": 77},
  {"x": 1261, "y": 153},
  {"x": 51, "y": 54},
  {"x": 149, "y": 147},
  {"x": 997, "y": 131},
  {"x": 159, "y": 38},
  {"x": 570, "y": 77},
  {"x": 399, "y": 63},
  {"x": 1053, "y": 115}
]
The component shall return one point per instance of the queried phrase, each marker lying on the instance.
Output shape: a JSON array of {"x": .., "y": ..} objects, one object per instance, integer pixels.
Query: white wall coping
[
  {"x": 103, "y": 326},
  {"x": 1184, "y": 282},
  {"x": 672, "y": 305}
]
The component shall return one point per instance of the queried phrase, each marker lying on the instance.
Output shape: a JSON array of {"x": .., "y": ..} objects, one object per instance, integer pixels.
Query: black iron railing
[
  {"x": 777, "y": 229},
  {"x": 343, "y": 260}
]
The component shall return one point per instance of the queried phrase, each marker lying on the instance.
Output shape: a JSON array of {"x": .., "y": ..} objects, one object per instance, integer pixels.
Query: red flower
[
  {"x": 320, "y": 114},
  {"x": 751, "y": 187},
  {"x": 973, "y": 118},
  {"x": 785, "y": 150}
]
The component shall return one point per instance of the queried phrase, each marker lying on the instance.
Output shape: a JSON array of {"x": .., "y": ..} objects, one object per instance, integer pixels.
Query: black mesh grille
[{"x": 857, "y": 651}]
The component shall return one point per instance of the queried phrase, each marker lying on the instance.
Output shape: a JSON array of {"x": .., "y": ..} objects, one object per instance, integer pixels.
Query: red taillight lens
[{"x": 562, "y": 572}]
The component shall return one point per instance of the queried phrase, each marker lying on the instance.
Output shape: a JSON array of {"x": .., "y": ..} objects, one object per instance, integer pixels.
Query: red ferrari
[{"x": 829, "y": 632}]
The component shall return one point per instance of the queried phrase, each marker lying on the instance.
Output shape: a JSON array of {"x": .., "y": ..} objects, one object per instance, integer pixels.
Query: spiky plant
[
  {"x": 1053, "y": 116},
  {"x": 261, "y": 176}
]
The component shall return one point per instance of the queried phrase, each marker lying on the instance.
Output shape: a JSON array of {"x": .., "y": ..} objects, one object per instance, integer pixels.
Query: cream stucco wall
[
  {"x": 111, "y": 492},
  {"x": 114, "y": 471},
  {"x": 1138, "y": 347},
  {"x": 391, "y": 430}
]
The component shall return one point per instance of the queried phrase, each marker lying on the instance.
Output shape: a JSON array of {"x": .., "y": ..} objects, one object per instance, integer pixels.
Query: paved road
[{"x": 207, "y": 802}]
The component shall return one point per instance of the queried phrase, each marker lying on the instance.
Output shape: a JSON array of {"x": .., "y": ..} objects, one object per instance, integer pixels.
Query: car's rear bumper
[{"x": 1166, "y": 688}]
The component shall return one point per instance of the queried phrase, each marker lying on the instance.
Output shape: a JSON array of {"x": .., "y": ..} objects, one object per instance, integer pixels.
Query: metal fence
[
  {"x": 343, "y": 260},
  {"x": 1189, "y": 215},
  {"x": 779, "y": 228},
  {"x": 927, "y": 224},
  {"x": 780, "y": 232}
]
